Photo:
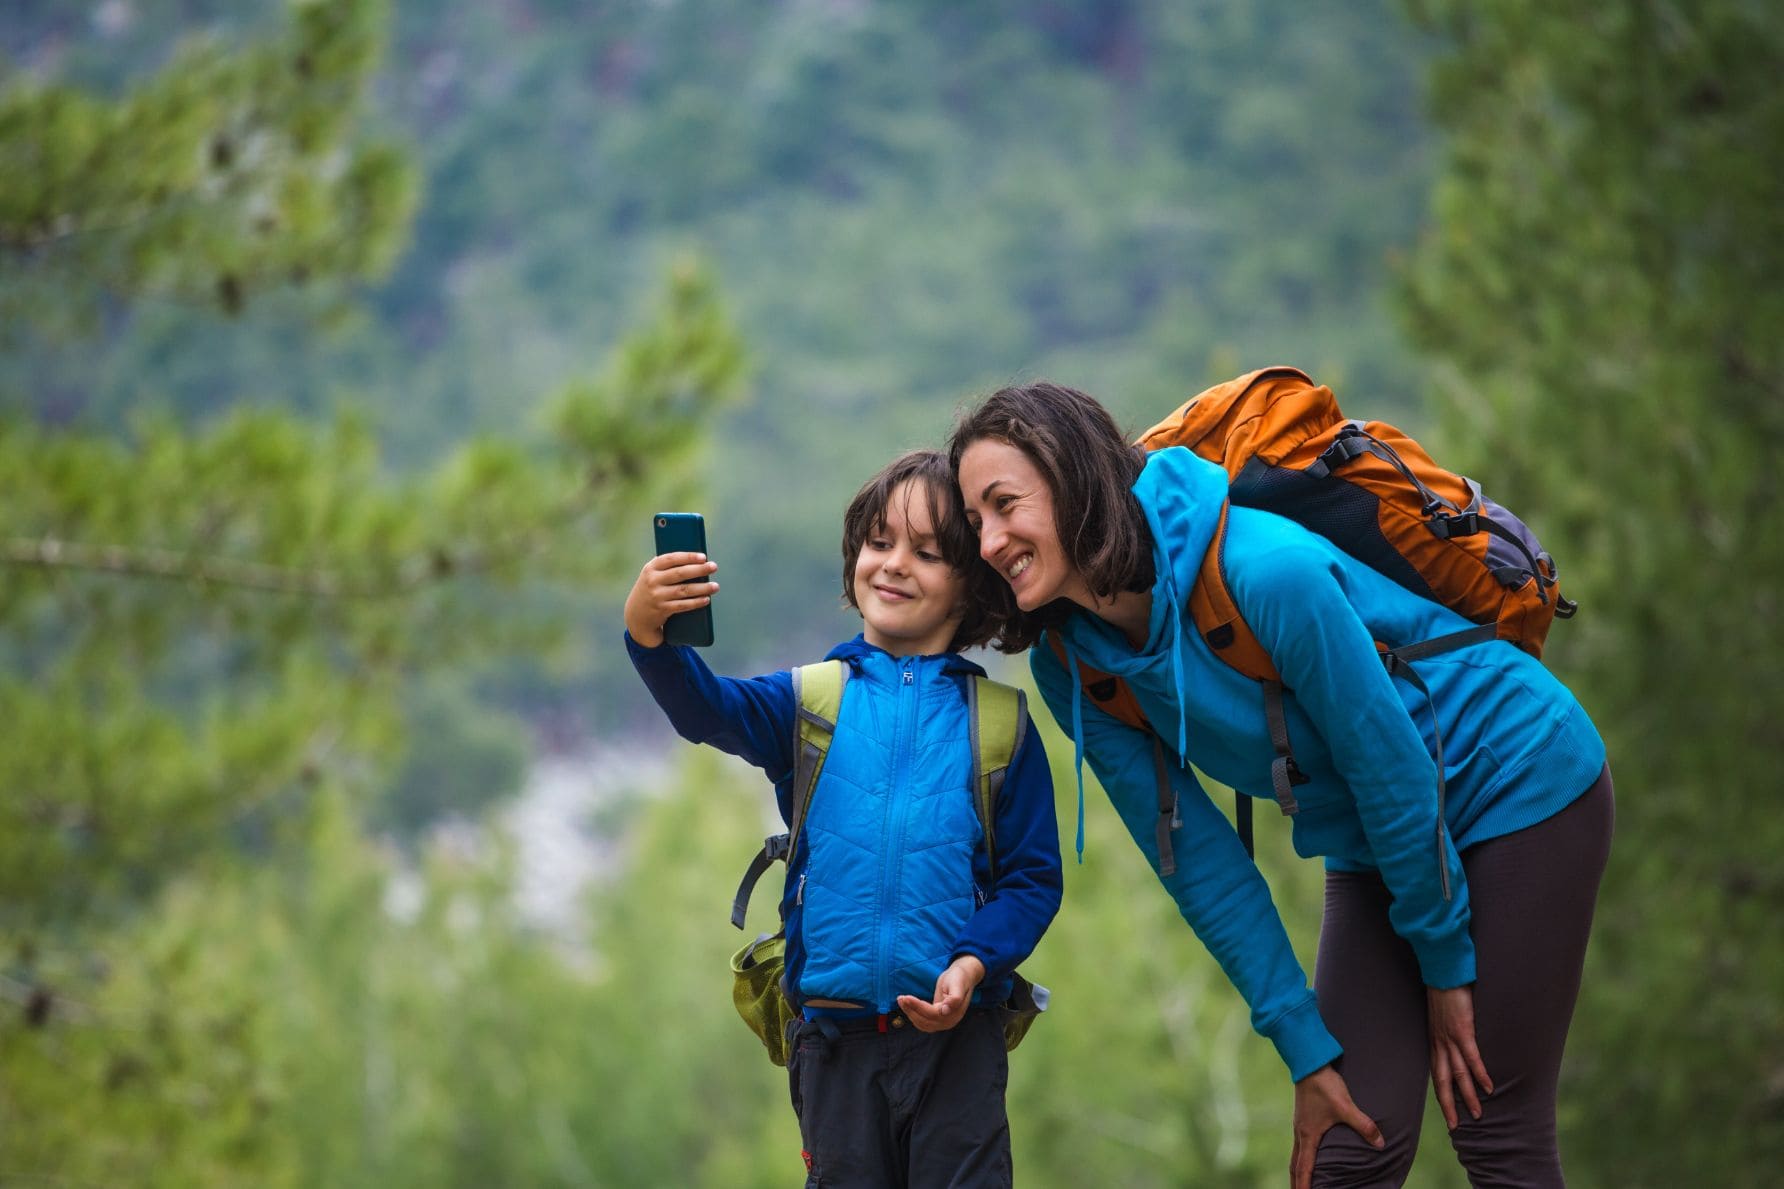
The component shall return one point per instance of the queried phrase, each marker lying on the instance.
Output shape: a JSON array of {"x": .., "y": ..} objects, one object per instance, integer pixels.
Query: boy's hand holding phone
[{"x": 669, "y": 584}]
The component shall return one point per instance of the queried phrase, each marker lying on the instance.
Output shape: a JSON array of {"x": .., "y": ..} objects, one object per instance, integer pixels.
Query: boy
[{"x": 899, "y": 944}]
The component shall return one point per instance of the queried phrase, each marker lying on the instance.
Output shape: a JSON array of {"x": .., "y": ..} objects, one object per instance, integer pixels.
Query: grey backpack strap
[
  {"x": 1284, "y": 775},
  {"x": 1399, "y": 664}
]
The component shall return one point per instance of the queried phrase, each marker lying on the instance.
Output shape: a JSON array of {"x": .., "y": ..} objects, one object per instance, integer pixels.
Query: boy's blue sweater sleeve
[
  {"x": 1297, "y": 606},
  {"x": 1023, "y": 901},
  {"x": 748, "y": 717},
  {"x": 1218, "y": 889}
]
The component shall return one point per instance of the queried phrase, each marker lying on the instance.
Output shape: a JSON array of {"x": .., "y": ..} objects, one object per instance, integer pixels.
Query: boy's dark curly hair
[{"x": 987, "y": 599}]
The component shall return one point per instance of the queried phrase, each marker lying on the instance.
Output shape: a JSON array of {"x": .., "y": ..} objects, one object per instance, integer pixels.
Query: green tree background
[{"x": 345, "y": 347}]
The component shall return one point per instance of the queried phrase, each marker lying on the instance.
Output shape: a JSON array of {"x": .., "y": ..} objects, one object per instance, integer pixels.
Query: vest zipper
[{"x": 893, "y": 877}]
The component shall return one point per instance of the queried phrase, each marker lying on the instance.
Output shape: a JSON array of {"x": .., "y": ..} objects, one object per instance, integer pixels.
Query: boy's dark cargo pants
[{"x": 901, "y": 1107}]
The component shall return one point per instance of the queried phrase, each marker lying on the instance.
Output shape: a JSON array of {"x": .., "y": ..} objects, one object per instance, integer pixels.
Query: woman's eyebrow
[{"x": 989, "y": 488}]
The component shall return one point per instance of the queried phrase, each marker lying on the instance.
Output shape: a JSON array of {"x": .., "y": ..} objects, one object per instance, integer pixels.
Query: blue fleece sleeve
[
  {"x": 748, "y": 717},
  {"x": 1023, "y": 901},
  {"x": 1295, "y": 601},
  {"x": 1217, "y": 888}
]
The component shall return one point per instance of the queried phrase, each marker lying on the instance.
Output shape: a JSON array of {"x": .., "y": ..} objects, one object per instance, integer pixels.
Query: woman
[{"x": 1461, "y": 957}]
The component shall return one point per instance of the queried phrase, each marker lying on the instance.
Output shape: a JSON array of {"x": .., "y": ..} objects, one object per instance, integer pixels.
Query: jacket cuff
[
  {"x": 1447, "y": 964},
  {"x": 1302, "y": 1041}
]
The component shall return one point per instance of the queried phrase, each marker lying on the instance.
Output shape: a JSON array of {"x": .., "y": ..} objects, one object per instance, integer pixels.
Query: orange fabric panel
[
  {"x": 1215, "y": 614},
  {"x": 1267, "y": 413},
  {"x": 1117, "y": 699}
]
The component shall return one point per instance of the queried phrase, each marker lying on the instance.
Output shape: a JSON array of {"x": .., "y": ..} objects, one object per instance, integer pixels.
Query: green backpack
[{"x": 999, "y": 719}]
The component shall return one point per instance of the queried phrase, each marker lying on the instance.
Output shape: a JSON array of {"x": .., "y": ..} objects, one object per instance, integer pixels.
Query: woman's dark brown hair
[
  {"x": 987, "y": 600},
  {"x": 1090, "y": 467}
]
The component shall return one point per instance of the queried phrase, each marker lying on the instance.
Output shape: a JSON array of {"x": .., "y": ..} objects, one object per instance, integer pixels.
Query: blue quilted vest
[{"x": 887, "y": 883}]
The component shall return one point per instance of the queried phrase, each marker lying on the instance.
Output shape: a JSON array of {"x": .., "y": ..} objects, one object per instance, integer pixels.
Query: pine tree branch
[
  {"x": 50, "y": 553},
  {"x": 172, "y": 565}
]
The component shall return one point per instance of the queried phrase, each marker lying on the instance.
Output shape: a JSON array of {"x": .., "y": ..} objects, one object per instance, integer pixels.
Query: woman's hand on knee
[
  {"x": 1456, "y": 1065},
  {"x": 1322, "y": 1102}
]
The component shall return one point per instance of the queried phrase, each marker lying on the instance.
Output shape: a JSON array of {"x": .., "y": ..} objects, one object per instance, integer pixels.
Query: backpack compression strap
[{"x": 818, "y": 691}]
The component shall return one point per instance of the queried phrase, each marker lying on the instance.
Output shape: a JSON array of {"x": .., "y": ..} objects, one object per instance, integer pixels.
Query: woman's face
[{"x": 1010, "y": 506}]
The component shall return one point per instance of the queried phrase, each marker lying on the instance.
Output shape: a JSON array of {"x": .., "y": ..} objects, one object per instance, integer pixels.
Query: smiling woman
[
  {"x": 1050, "y": 495},
  {"x": 1101, "y": 545}
]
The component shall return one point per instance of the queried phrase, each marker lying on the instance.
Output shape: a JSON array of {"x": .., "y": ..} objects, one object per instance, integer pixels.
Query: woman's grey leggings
[{"x": 1531, "y": 894}]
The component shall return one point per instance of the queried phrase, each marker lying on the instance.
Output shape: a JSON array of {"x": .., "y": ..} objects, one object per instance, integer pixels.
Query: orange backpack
[{"x": 1376, "y": 494}]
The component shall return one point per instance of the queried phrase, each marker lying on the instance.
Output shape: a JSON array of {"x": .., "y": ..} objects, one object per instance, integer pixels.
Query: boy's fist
[{"x": 659, "y": 593}]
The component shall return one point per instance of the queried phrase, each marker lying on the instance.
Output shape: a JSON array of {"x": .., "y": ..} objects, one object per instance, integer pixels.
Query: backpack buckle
[
  {"x": 1444, "y": 526},
  {"x": 1349, "y": 443}
]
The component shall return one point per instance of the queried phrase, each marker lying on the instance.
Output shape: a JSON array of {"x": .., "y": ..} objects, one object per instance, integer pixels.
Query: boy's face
[{"x": 911, "y": 600}]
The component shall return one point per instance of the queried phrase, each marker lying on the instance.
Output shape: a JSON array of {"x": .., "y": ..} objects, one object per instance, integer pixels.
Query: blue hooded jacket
[
  {"x": 891, "y": 880},
  {"x": 1517, "y": 746}
]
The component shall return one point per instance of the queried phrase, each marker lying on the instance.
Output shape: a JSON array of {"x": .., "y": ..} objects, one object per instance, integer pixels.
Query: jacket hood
[
  {"x": 1181, "y": 496},
  {"x": 859, "y": 649}
]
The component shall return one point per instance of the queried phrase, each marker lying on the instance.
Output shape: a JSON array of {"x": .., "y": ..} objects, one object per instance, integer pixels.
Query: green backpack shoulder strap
[
  {"x": 998, "y": 715},
  {"x": 818, "y": 691}
]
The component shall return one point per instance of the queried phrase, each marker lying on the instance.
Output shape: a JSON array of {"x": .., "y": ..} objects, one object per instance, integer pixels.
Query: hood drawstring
[
  {"x": 1173, "y": 614},
  {"x": 1071, "y": 668},
  {"x": 1175, "y": 643}
]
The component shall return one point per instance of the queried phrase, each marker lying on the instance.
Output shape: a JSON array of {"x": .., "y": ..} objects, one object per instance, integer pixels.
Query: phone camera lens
[{"x": 662, "y": 522}]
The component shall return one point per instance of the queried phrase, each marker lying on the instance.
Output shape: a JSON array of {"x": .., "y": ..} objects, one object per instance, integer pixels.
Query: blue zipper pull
[{"x": 908, "y": 677}]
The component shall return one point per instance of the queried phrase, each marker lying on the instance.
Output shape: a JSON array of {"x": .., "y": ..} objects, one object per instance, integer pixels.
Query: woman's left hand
[{"x": 1455, "y": 1061}]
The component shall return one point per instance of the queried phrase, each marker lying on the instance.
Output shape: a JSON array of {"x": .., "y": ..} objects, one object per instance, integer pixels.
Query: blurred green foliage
[
  {"x": 1600, "y": 286},
  {"x": 345, "y": 347}
]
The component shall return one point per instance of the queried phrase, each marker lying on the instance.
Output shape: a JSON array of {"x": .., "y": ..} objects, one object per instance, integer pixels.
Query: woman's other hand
[
  {"x": 659, "y": 593},
  {"x": 1455, "y": 1061},
  {"x": 1322, "y": 1102}
]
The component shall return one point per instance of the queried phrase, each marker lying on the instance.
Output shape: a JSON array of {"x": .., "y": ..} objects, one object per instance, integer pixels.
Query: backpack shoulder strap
[
  {"x": 817, "y": 689},
  {"x": 1109, "y": 694},
  {"x": 1223, "y": 628},
  {"x": 1217, "y": 616},
  {"x": 998, "y": 716}
]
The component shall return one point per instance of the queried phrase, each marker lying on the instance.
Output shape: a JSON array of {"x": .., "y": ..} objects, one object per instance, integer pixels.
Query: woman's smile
[{"x": 1010, "y": 506}]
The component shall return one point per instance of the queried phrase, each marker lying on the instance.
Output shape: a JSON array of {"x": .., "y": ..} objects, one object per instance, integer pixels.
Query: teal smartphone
[{"x": 684, "y": 532}]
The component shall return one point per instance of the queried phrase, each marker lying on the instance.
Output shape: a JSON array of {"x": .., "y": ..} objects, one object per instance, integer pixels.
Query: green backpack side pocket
[{"x": 756, "y": 971}]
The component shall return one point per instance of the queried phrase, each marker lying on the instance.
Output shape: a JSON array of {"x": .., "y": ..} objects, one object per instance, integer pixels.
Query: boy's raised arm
[{"x": 751, "y": 718}]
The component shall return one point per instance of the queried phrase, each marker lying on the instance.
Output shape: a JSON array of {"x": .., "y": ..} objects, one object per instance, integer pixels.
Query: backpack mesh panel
[{"x": 1343, "y": 513}]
